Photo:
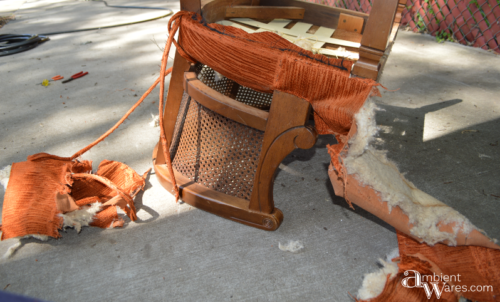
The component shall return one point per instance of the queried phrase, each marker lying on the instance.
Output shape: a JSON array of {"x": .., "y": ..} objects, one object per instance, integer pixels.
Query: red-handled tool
[
  {"x": 75, "y": 76},
  {"x": 53, "y": 79}
]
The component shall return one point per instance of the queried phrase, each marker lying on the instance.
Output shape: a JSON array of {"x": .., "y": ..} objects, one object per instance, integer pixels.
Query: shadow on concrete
[{"x": 457, "y": 168}]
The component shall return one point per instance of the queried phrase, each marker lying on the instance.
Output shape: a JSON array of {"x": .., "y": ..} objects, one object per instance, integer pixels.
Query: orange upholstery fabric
[
  {"x": 29, "y": 204},
  {"x": 30, "y": 200},
  {"x": 107, "y": 218},
  {"x": 476, "y": 265},
  {"x": 473, "y": 267}
]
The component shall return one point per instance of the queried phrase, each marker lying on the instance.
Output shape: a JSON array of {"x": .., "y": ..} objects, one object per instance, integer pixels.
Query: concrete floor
[{"x": 442, "y": 127}]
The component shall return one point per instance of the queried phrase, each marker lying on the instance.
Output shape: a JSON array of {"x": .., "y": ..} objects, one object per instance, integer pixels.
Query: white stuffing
[
  {"x": 4, "y": 176},
  {"x": 374, "y": 283},
  {"x": 155, "y": 122},
  {"x": 15, "y": 247},
  {"x": 12, "y": 250},
  {"x": 292, "y": 246},
  {"x": 218, "y": 76},
  {"x": 372, "y": 167},
  {"x": 304, "y": 43},
  {"x": 119, "y": 211},
  {"x": 38, "y": 236},
  {"x": 80, "y": 218}
]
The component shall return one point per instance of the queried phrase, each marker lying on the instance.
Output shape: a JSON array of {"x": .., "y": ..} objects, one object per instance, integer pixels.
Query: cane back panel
[
  {"x": 215, "y": 151},
  {"x": 231, "y": 89}
]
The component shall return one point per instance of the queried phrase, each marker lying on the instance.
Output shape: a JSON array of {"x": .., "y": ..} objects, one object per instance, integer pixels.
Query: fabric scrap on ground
[{"x": 47, "y": 193}]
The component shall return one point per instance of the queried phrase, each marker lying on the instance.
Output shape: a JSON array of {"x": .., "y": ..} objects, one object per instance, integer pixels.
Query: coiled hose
[{"x": 14, "y": 43}]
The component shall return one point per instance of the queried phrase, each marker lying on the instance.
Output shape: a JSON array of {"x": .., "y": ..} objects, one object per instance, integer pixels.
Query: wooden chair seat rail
[
  {"x": 366, "y": 38},
  {"x": 223, "y": 205},
  {"x": 223, "y": 105}
]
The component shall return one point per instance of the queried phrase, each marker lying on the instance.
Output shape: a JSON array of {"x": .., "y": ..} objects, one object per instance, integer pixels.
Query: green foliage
[
  {"x": 474, "y": 2},
  {"x": 420, "y": 23},
  {"x": 442, "y": 36},
  {"x": 429, "y": 8},
  {"x": 480, "y": 8}
]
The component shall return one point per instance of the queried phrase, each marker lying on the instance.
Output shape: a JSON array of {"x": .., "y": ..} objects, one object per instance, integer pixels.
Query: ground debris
[
  {"x": 155, "y": 120},
  {"x": 4, "y": 176},
  {"x": 292, "y": 246},
  {"x": 5, "y": 19},
  {"x": 464, "y": 131}
]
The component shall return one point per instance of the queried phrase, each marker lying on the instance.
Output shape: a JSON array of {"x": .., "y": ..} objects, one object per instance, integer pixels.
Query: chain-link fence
[{"x": 470, "y": 22}]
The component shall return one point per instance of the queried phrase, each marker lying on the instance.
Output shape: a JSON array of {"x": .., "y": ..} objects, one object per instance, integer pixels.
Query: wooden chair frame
[
  {"x": 284, "y": 129},
  {"x": 285, "y": 125}
]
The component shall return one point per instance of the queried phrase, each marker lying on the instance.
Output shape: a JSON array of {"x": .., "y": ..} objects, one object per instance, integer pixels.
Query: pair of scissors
[{"x": 75, "y": 76}]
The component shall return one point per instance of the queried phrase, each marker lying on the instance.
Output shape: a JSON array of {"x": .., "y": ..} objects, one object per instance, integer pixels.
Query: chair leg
[
  {"x": 174, "y": 98},
  {"x": 286, "y": 130}
]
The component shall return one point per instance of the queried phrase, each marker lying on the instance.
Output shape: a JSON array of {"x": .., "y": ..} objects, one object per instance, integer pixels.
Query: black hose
[{"x": 13, "y": 43}]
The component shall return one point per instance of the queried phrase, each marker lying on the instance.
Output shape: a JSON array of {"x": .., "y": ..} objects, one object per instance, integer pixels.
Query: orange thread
[
  {"x": 100, "y": 139},
  {"x": 161, "y": 79},
  {"x": 164, "y": 142}
]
